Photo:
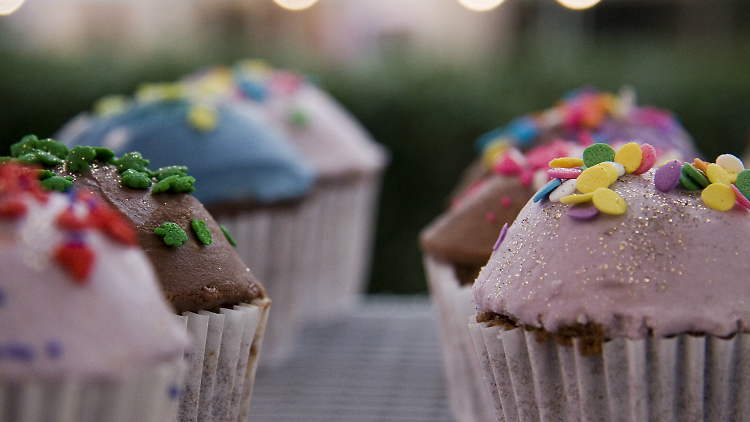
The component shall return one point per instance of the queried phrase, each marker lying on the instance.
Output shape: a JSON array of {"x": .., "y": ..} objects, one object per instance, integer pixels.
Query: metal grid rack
[{"x": 380, "y": 364}]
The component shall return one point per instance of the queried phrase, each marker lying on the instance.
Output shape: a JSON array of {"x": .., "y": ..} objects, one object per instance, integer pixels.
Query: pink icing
[{"x": 669, "y": 265}]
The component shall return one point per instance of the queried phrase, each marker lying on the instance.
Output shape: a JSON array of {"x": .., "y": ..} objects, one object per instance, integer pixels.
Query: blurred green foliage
[{"x": 428, "y": 112}]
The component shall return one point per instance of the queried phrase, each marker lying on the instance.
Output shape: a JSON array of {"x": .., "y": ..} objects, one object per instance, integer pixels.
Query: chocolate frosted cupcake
[
  {"x": 223, "y": 304},
  {"x": 514, "y": 165},
  {"x": 85, "y": 334},
  {"x": 624, "y": 300}
]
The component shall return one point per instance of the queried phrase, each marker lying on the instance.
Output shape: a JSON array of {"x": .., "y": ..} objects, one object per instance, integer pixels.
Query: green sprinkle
[
  {"x": 57, "y": 183},
  {"x": 229, "y": 237},
  {"x": 25, "y": 145},
  {"x": 131, "y": 160},
  {"x": 172, "y": 234},
  {"x": 79, "y": 157},
  {"x": 199, "y": 227},
  {"x": 135, "y": 179},
  {"x": 697, "y": 176},
  {"x": 598, "y": 153},
  {"x": 45, "y": 174},
  {"x": 56, "y": 148},
  {"x": 165, "y": 172},
  {"x": 31, "y": 144},
  {"x": 688, "y": 182},
  {"x": 175, "y": 183},
  {"x": 298, "y": 118},
  {"x": 743, "y": 182},
  {"x": 104, "y": 154}
]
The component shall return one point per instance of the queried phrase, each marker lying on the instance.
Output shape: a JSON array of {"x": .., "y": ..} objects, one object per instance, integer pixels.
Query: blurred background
[{"x": 425, "y": 77}]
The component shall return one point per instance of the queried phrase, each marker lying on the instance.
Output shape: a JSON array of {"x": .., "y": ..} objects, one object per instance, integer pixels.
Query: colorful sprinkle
[
  {"x": 12, "y": 208},
  {"x": 57, "y": 183},
  {"x": 174, "y": 183},
  {"x": 716, "y": 174},
  {"x": 68, "y": 220},
  {"x": 78, "y": 158},
  {"x": 76, "y": 259},
  {"x": 201, "y": 232},
  {"x": 730, "y": 163},
  {"x": 629, "y": 155},
  {"x": 229, "y": 237},
  {"x": 719, "y": 196},
  {"x": 598, "y": 153},
  {"x": 131, "y": 160},
  {"x": 563, "y": 173},
  {"x": 739, "y": 197},
  {"x": 648, "y": 159},
  {"x": 567, "y": 162},
  {"x": 567, "y": 188},
  {"x": 668, "y": 175},
  {"x": 700, "y": 164},
  {"x": 172, "y": 234},
  {"x": 53, "y": 349},
  {"x": 695, "y": 175},
  {"x": 545, "y": 191},
  {"x": 689, "y": 183},
  {"x": 609, "y": 202},
  {"x": 598, "y": 176},
  {"x": 577, "y": 199},
  {"x": 136, "y": 179},
  {"x": 203, "y": 119},
  {"x": 619, "y": 168},
  {"x": 500, "y": 238},
  {"x": 583, "y": 211},
  {"x": 743, "y": 182},
  {"x": 506, "y": 201}
]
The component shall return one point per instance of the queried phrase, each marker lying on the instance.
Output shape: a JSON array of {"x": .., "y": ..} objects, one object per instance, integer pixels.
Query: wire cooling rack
[{"x": 380, "y": 364}]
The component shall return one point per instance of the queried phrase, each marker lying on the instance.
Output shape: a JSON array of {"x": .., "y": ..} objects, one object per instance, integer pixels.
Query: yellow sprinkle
[
  {"x": 716, "y": 174},
  {"x": 613, "y": 173},
  {"x": 577, "y": 199},
  {"x": 162, "y": 91},
  {"x": 732, "y": 176},
  {"x": 609, "y": 201},
  {"x": 492, "y": 153},
  {"x": 593, "y": 178},
  {"x": 629, "y": 155},
  {"x": 202, "y": 118},
  {"x": 719, "y": 196},
  {"x": 567, "y": 162},
  {"x": 111, "y": 105}
]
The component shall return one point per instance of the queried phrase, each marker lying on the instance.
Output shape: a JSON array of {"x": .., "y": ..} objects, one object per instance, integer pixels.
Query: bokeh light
[
  {"x": 293, "y": 4},
  {"x": 578, "y": 4},
  {"x": 480, "y": 5},
  {"x": 9, "y": 6}
]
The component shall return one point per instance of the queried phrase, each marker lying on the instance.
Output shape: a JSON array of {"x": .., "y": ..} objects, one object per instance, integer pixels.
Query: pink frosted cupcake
[{"x": 625, "y": 299}]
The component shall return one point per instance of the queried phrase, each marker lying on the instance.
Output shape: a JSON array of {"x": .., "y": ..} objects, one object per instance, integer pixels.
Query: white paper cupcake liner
[
  {"x": 313, "y": 257},
  {"x": 221, "y": 362},
  {"x": 150, "y": 394},
  {"x": 683, "y": 378},
  {"x": 465, "y": 389}
]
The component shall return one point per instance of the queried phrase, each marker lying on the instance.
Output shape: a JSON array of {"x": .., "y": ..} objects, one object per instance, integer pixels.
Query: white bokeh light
[
  {"x": 480, "y": 5},
  {"x": 293, "y": 4},
  {"x": 9, "y": 6},
  {"x": 578, "y": 4}
]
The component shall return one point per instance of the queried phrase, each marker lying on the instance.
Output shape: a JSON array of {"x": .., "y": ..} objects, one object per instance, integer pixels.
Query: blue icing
[{"x": 242, "y": 157}]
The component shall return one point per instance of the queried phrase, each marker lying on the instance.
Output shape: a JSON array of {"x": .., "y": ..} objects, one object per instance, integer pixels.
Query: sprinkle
[
  {"x": 110, "y": 222},
  {"x": 53, "y": 349},
  {"x": 12, "y": 208},
  {"x": 687, "y": 182},
  {"x": 57, "y": 183},
  {"x": 201, "y": 232},
  {"x": 730, "y": 163},
  {"x": 78, "y": 158},
  {"x": 695, "y": 175},
  {"x": 719, "y": 196},
  {"x": 563, "y": 173},
  {"x": 743, "y": 182},
  {"x": 609, "y": 201},
  {"x": 136, "y": 179},
  {"x": 619, "y": 168},
  {"x": 500, "y": 238},
  {"x": 668, "y": 175},
  {"x": 506, "y": 201},
  {"x": 741, "y": 199},
  {"x": 174, "y": 183},
  {"x": 68, "y": 220},
  {"x": 298, "y": 118},
  {"x": 568, "y": 162},
  {"x": 490, "y": 217},
  {"x": 77, "y": 259},
  {"x": 507, "y": 166},
  {"x": 629, "y": 155},
  {"x": 716, "y": 174},
  {"x": 164, "y": 172},
  {"x": 566, "y": 189},
  {"x": 577, "y": 199},
  {"x": 229, "y": 237},
  {"x": 700, "y": 164},
  {"x": 545, "y": 191},
  {"x": 21, "y": 352},
  {"x": 598, "y": 176},
  {"x": 598, "y": 153},
  {"x": 172, "y": 234},
  {"x": 173, "y": 392},
  {"x": 648, "y": 159},
  {"x": 583, "y": 211},
  {"x": 202, "y": 118},
  {"x": 131, "y": 160}
]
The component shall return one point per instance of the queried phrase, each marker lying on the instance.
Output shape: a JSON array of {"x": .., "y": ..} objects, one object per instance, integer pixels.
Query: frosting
[
  {"x": 238, "y": 157},
  {"x": 669, "y": 261},
  {"x": 326, "y": 134},
  {"x": 76, "y": 296}
]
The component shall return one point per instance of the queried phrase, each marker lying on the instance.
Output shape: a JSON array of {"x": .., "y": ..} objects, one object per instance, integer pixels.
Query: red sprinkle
[
  {"x": 564, "y": 173},
  {"x": 77, "y": 259},
  {"x": 506, "y": 201},
  {"x": 70, "y": 221},
  {"x": 490, "y": 217},
  {"x": 507, "y": 166},
  {"x": 12, "y": 208},
  {"x": 741, "y": 199}
]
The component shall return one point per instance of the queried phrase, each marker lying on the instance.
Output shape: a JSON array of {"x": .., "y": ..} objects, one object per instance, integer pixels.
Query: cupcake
[
  {"x": 513, "y": 166},
  {"x": 623, "y": 300},
  {"x": 86, "y": 333},
  {"x": 222, "y": 303},
  {"x": 349, "y": 165}
]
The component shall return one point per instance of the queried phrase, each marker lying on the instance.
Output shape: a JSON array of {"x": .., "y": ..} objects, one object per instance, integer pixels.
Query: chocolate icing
[{"x": 193, "y": 276}]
